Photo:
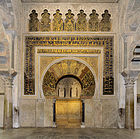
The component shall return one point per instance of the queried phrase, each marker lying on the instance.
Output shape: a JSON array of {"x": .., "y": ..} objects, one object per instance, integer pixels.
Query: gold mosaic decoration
[
  {"x": 69, "y": 24},
  {"x": 45, "y": 21},
  {"x": 81, "y": 24},
  {"x": 49, "y": 83},
  {"x": 34, "y": 22},
  {"x": 69, "y": 51},
  {"x": 105, "y": 24},
  {"x": 57, "y": 21},
  {"x": 93, "y": 21},
  {"x": 75, "y": 41},
  {"x": 69, "y": 67}
]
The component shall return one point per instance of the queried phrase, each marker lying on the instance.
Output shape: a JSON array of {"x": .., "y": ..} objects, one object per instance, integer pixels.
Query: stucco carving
[
  {"x": 57, "y": 21},
  {"x": 105, "y": 24},
  {"x": 69, "y": 24},
  {"x": 94, "y": 21},
  {"x": 81, "y": 24},
  {"x": 33, "y": 22},
  {"x": 45, "y": 21}
]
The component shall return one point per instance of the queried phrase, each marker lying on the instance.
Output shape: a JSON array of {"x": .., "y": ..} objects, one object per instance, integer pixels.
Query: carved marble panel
[
  {"x": 1, "y": 110},
  {"x": 27, "y": 113}
]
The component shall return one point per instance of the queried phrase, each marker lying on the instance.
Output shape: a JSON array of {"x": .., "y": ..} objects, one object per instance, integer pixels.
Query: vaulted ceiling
[{"x": 70, "y": 1}]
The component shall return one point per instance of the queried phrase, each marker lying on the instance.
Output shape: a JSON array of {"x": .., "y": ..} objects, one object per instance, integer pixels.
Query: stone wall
[
  {"x": 33, "y": 111},
  {"x": 39, "y": 113}
]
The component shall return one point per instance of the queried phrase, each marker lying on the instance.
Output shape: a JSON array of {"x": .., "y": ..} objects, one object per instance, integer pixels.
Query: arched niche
[
  {"x": 68, "y": 68},
  {"x": 68, "y": 86}
]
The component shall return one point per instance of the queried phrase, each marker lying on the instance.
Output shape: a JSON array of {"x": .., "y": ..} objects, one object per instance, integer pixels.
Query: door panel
[{"x": 68, "y": 113}]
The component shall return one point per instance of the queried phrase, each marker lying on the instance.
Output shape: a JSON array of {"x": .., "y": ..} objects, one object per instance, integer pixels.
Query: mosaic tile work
[
  {"x": 75, "y": 41},
  {"x": 69, "y": 67}
]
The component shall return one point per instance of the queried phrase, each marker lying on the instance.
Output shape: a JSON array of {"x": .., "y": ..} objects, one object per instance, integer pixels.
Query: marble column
[
  {"x": 8, "y": 120},
  {"x": 129, "y": 106}
]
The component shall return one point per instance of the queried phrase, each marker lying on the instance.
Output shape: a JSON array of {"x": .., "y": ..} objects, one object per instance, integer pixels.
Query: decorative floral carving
[
  {"x": 93, "y": 21},
  {"x": 105, "y": 24},
  {"x": 33, "y": 22},
  {"x": 57, "y": 21},
  {"x": 69, "y": 21},
  {"x": 45, "y": 21},
  {"x": 81, "y": 24},
  {"x": 49, "y": 83}
]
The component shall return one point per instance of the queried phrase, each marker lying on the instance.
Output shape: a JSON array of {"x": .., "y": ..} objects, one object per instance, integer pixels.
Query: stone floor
[{"x": 58, "y": 133}]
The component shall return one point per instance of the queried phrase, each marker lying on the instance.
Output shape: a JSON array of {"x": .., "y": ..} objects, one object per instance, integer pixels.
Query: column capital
[
  {"x": 129, "y": 81},
  {"x": 8, "y": 78},
  {"x": 124, "y": 36},
  {"x": 130, "y": 77}
]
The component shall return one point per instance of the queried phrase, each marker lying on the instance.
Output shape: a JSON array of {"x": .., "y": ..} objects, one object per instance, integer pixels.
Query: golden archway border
[
  {"x": 31, "y": 42},
  {"x": 74, "y": 59}
]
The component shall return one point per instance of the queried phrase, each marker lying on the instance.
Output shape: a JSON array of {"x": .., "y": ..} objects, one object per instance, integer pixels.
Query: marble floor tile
[{"x": 59, "y": 133}]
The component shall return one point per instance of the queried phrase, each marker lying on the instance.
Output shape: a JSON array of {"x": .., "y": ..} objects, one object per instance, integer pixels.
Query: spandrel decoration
[
  {"x": 57, "y": 21},
  {"x": 105, "y": 24},
  {"x": 69, "y": 24},
  {"x": 45, "y": 21},
  {"x": 34, "y": 22},
  {"x": 81, "y": 24},
  {"x": 93, "y": 21}
]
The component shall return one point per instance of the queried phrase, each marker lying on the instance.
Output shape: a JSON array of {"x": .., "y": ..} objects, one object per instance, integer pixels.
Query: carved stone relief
[
  {"x": 105, "y": 24},
  {"x": 33, "y": 22},
  {"x": 81, "y": 24},
  {"x": 45, "y": 21},
  {"x": 94, "y": 21},
  {"x": 57, "y": 21},
  {"x": 69, "y": 24}
]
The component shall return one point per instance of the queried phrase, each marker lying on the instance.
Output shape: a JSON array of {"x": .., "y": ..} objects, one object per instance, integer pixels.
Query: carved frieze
[
  {"x": 57, "y": 21},
  {"x": 45, "y": 21},
  {"x": 69, "y": 24},
  {"x": 81, "y": 24}
]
